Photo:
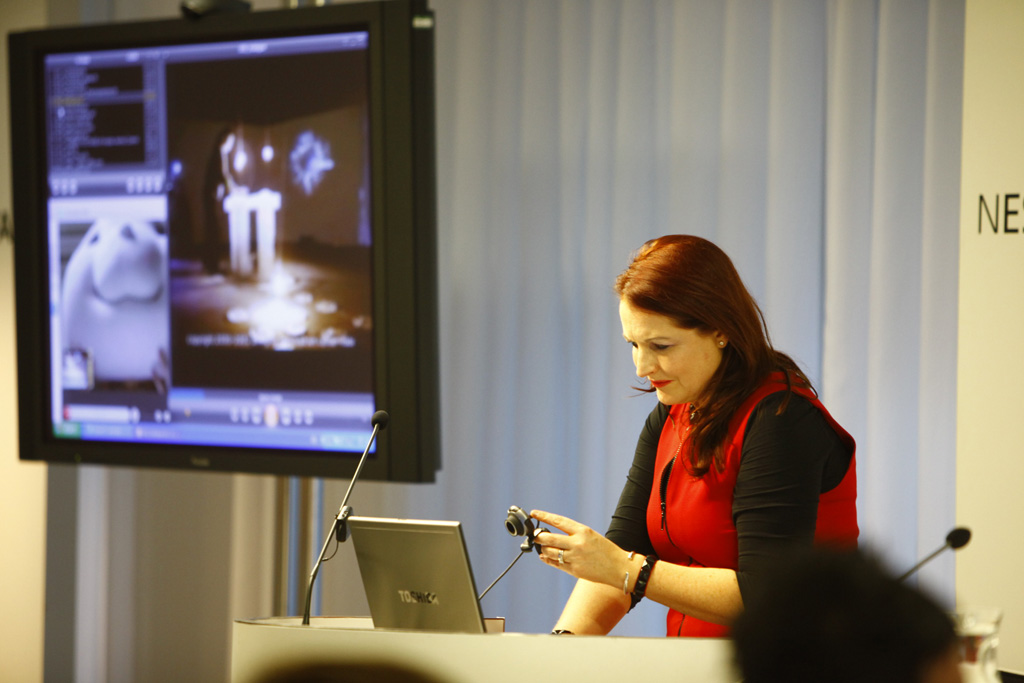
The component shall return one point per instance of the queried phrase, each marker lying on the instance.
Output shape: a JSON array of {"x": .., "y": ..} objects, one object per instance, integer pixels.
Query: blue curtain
[{"x": 816, "y": 142}]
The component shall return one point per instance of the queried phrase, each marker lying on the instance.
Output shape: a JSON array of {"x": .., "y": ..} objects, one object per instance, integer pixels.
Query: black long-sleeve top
[{"x": 787, "y": 461}]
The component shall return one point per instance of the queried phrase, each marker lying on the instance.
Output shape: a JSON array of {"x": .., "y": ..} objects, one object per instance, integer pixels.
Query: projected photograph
[
  {"x": 269, "y": 228},
  {"x": 111, "y": 304}
]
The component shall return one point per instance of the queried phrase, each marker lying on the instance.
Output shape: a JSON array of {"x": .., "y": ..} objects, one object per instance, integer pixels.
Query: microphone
[
  {"x": 955, "y": 539},
  {"x": 340, "y": 527},
  {"x": 379, "y": 421}
]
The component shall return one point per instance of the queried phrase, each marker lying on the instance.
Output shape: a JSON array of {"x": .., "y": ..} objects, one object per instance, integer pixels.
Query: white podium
[{"x": 259, "y": 646}]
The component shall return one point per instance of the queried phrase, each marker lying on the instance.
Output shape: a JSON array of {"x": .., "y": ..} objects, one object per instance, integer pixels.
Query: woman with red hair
[{"x": 738, "y": 462}]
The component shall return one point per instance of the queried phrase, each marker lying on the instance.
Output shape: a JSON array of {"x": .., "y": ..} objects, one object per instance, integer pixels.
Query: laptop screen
[{"x": 416, "y": 574}]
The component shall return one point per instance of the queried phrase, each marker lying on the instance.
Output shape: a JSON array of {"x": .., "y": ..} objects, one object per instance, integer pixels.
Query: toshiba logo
[{"x": 418, "y": 597}]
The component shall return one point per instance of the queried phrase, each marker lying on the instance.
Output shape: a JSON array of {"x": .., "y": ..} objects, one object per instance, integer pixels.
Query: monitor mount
[{"x": 197, "y": 9}]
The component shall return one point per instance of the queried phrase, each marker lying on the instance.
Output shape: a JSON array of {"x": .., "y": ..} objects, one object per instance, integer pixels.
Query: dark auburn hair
[{"x": 694, "y": 283}]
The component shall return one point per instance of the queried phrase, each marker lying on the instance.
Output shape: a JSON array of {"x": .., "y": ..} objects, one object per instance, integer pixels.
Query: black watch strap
[{"x": 640, "y": 587}]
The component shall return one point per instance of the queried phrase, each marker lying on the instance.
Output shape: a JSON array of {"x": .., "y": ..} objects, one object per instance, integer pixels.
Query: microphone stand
[
  {"x": 340, "y": 525},
  {"x": 955, "y": 539}
]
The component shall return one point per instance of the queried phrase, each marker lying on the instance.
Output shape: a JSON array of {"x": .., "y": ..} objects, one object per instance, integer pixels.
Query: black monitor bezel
[{"x": 404, "y": 238}]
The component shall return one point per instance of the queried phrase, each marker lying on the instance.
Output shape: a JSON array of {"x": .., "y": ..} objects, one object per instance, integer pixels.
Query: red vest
[{"x": 698, "y": 526}]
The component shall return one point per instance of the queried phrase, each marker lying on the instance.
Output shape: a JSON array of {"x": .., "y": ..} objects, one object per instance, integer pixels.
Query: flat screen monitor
[{"x": 225, "y": 252}]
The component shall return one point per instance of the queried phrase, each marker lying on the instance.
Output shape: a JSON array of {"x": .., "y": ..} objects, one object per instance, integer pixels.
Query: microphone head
[
  {"x": 958, "y": 537},
  {"x": 380, "y": 419}
]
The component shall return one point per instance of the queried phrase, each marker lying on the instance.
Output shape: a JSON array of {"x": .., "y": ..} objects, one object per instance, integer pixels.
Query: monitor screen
[{"x": 223, "y": 225}]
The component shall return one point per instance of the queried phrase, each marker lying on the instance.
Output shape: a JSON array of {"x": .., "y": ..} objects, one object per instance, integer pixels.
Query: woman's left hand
[{"x": 581, "y": 551}]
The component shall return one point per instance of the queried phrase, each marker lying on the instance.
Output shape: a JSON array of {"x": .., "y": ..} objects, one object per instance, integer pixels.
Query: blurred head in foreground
[
  {"x": 840, "y": 617},
  {"x": 351, "y": 672}
]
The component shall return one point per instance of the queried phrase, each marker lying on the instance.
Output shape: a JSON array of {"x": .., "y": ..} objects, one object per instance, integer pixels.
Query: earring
[{"x": 721, "y": 344}]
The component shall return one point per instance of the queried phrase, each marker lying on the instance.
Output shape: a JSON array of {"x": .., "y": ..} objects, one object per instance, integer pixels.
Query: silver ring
[{"x": 561, "y": 557}]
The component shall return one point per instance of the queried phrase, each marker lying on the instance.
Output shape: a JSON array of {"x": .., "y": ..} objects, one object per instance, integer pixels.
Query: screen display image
[
  {"x": 219, "y": 246},
  {"x": 213, "y": 241}
]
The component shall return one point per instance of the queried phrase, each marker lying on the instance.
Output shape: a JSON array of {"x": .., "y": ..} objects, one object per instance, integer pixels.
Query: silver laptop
[{"x": 416, "y": 574}]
